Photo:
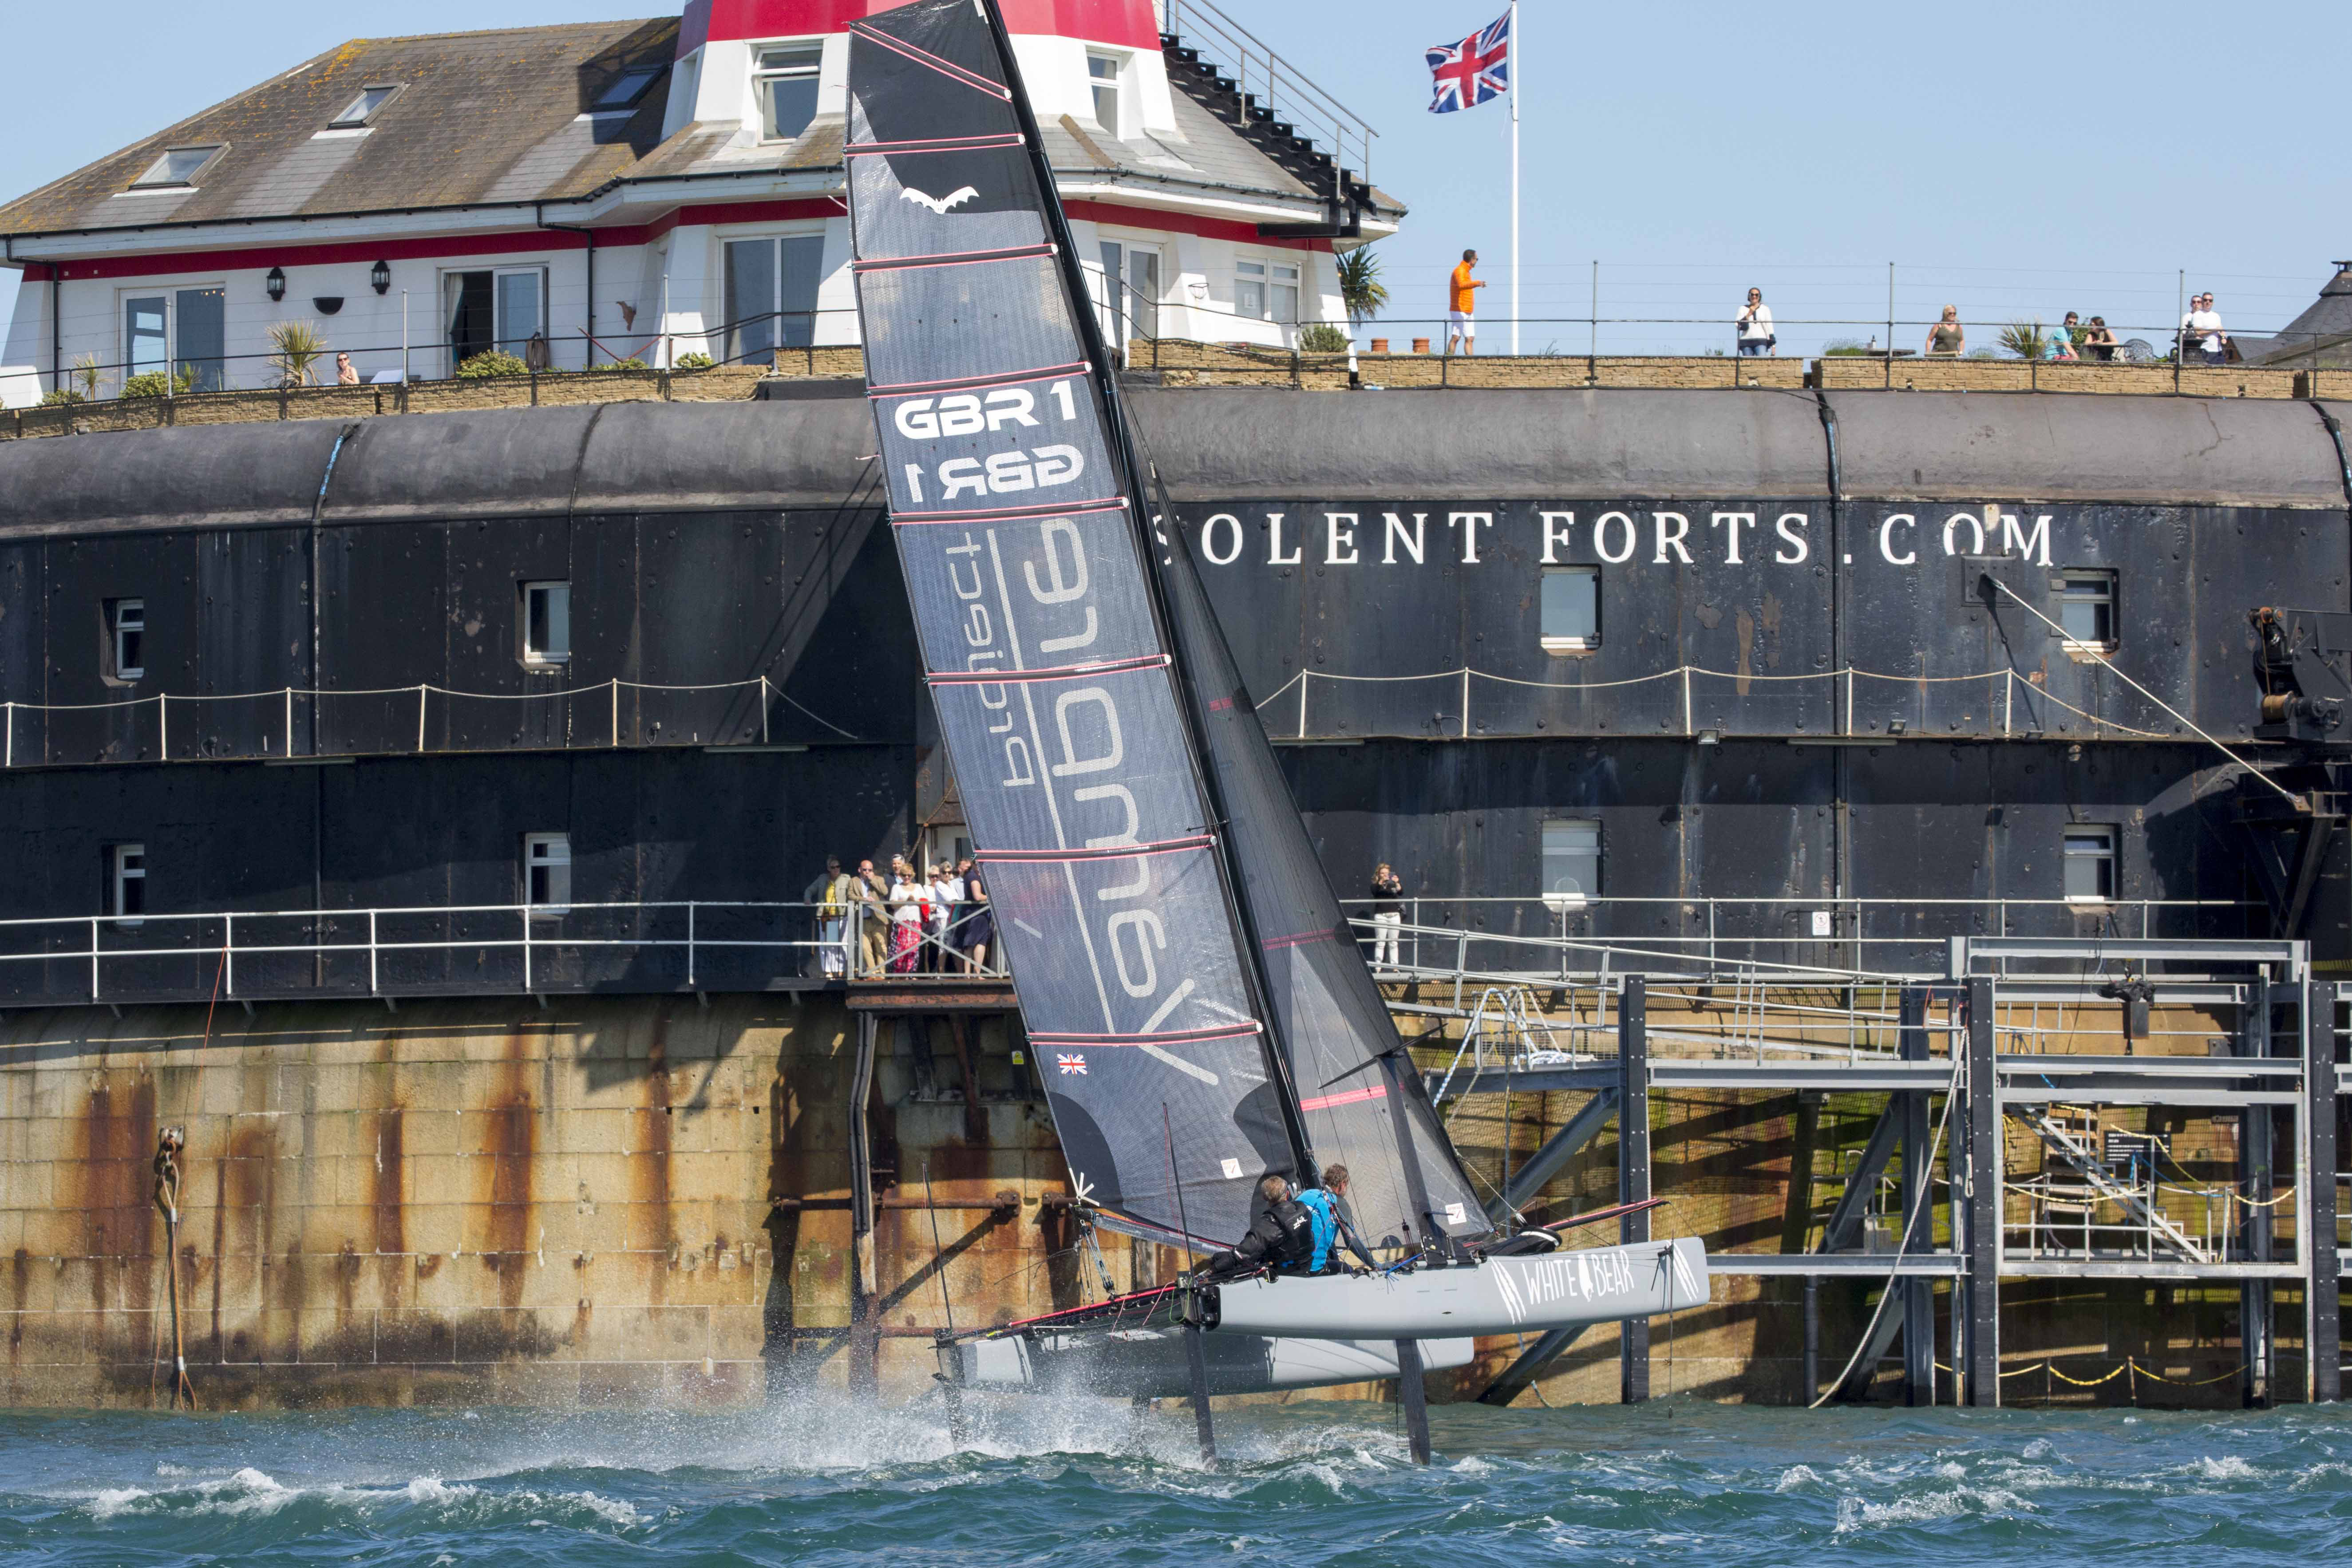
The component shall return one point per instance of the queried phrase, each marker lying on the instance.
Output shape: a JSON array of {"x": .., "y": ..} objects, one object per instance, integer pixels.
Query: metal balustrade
[{"x": 455, "y": 950}]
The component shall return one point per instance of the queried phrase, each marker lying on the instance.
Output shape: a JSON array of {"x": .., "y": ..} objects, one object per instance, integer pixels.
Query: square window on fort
[
  {"x": 1102, "y": 74},
  {"x": 2090, "y": 865},
  {"x": 546, "y": 623},
  {"x": 787, "y": 89},
  {"x": 547, "y": 872},
  {"x": 1571, "y": 863},
  {"x": 1285, "y": 293},
  {"x": 126, "y": 878},
  {"x": 126, "y": 639},
  {"x": 362, "y": 109},
  {"x": 771, "y": 288},
  {"x": 2086, "y": 608},
  {"x": 1570, "y": 608},
  {"x": 177, "y": 166}
]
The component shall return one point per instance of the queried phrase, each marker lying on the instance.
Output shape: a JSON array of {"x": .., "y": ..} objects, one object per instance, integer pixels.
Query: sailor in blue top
[{"x": 1328, "y": 1203}]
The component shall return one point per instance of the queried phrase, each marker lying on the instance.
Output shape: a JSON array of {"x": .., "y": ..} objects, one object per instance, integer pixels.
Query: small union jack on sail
[{"x": 1467, "y": 74}]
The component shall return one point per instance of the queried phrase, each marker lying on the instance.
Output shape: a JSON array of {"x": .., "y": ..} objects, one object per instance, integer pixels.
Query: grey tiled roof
[
  {"x": 480, "y": 118},
  {"x": 501, "y": 116}
]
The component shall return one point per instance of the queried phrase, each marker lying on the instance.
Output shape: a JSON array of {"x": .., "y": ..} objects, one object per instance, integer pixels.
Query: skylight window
[
  {"x": 362, "y": 109},
  {"x": 178, "y": 166},
  {"x": 628, "y": 87}
]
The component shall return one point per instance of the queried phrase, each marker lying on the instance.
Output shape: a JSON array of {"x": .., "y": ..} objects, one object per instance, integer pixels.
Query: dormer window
[
  {"x": 178, "y": 166},
  {"x": 787, "y": 89},
  {"x": 1102, "y": 73},
  {"x": 362, "y": 109},
  {"x": 628, "y": 89}
]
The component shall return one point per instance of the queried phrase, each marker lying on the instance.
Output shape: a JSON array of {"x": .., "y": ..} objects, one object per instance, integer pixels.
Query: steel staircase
[{"x": 2060, "y": 1140}]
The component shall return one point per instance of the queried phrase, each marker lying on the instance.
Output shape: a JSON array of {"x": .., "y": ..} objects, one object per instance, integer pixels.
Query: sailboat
[{"x": 1202, "y": 1012}]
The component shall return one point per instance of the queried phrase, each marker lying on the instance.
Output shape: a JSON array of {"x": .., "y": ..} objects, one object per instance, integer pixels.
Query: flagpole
[{"x": 1515, "y": 178}]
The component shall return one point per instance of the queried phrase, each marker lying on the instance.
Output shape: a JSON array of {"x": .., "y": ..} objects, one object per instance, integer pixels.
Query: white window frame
[
  {"x": 148, "y": 180},
  {"x": 1114, "y": 84},
  {"x": 777, "y": 240},
  {"x": 532, "y": 655},
  {"x": 2062, "y": 582},
  {"x": 762, "y": 78},
  {"x": 1562, "y": 902},
  {"x": 1552, "y": 644},
  {"x": 122, "y": 670},
  {"x": 1251, "y": 272},
  {"x": 2109, "y": 840},
  {"x": 1274, "y": 285},
  {"x": 1112, "y": 294},
  {"x": 126, "y": 865},
  {"x": 348, "y": 120},
  {"x": 550, "y": 852}
]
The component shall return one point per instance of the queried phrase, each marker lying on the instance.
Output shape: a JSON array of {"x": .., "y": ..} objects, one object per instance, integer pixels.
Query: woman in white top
[
  {"x": 1756, "y": 326},
  {"x": 947, "y": 892},
  {"x": 906, "y": 917}
]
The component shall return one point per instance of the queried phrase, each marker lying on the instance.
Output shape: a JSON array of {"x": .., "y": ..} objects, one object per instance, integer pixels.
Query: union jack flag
[
  {"x": 1072, "y": 1064},
  {"x": 1467, "y": 74}
]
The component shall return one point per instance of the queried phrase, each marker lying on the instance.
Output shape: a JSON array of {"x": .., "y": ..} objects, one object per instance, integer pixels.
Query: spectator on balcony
[
  {"x": 2201, "y": 334},
  {"x": 1756, "y": 326},
  {"x": 1948, "y": 338},
  {"x": 1462, "y": 306},
  {"x": 874, "y": 919},
  {"x": 1388, "y": 916},
  {"x": 959, "y": 940},
  {"x": 906, "y": 898},
  {"x": 833, "y": 894},
  {"x": 2099, "y": 340},
  {"x": 346, "y": 373},
  {"x": 947, "y": 892},
  {"x": 979, "y": 923},
  {"x": 2062, "y": 340}
]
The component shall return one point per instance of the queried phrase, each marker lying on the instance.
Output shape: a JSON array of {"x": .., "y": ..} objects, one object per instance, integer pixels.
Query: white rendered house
[{"x": 646, "y": 190}]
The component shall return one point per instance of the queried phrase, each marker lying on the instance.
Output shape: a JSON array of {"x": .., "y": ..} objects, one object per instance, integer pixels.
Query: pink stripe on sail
[
  {"x": 1060, "y": 672},
  {"x": 1351, "y": 1097},
  {"x": 974, "y": 383},
  {"x": 951, "y": 258},
  {"x": 1115, "y": 852},
  {"x": 925, "y": 57},
  {"x": 1013, "y": 513},
  {"x": 936, "y": 144}
]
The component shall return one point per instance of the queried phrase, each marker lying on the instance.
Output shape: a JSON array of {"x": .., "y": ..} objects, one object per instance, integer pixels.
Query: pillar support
[
  {"x": 1633, "y": 1168},
  {"x": 2323, "y": 1285},
  {"x": 864, "y": 1334},
  {"x": 1984, "y": 1190}
]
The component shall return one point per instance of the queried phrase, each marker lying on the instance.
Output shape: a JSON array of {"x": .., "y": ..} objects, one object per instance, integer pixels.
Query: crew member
[
  {"x": 1333, "y": 1224},
  {"x": 1281, "y": 1238}
]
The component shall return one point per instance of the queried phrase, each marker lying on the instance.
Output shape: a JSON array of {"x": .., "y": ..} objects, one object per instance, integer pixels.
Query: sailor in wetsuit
[{"x": 1281, "y": 1238}]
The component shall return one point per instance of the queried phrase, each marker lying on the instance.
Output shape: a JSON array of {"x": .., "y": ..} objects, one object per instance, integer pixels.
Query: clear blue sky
[{"x": 2013, "y": 159}]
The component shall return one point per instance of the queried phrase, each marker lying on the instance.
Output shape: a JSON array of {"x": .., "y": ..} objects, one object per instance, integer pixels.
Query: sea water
[{"x": 819, "y": 1481}]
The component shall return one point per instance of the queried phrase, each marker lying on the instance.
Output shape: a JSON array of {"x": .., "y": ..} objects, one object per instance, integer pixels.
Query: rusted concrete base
[{"x": 476, "y": 1201}]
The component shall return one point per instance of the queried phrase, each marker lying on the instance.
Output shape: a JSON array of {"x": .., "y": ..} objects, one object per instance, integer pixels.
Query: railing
[
  {"x": 1279, "y": 86},
  {"x": 455, "y": 950},
  {"x": 1500, "y": 941}
]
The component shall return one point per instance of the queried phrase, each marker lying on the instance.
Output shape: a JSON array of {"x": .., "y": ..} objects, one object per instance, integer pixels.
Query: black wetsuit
[{"x": 1282, "y": 1237}]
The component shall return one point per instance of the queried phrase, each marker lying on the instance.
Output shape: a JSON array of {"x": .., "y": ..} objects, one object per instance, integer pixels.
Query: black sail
[
  {"x": 1360, "y": 1095},
  {"x": 1199, "y": 1013},
  {"x": 1016, "y": 517}
]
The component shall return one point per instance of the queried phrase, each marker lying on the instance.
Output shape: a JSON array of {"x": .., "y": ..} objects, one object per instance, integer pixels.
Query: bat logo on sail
[
  {"x": 940, "y": 204},
  {"x": 1075, "y": 1065}
]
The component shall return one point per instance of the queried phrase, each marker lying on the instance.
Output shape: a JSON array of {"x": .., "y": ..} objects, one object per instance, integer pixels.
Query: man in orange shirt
[{"x": 1461, "y": 305}]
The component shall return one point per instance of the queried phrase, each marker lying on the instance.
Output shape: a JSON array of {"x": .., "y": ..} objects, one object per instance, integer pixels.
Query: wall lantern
[
  {"x": 380, "y": 278},
  {"x": 276, "y": 284}
]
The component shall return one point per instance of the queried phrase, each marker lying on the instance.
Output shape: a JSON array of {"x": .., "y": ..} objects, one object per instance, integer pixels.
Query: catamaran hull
[
  {"x": 1150, "y": 1363},
  {"x": 1499, "y": 1295}
]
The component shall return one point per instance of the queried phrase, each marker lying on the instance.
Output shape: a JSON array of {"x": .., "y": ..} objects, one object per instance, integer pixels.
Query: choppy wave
[{"x": 821, "y": 1481}]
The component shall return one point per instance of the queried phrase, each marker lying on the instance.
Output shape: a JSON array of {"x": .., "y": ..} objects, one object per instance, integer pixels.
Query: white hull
[
  {"x": 1150, "y": 1363},
  {"x": 1498, "y": 1295}
]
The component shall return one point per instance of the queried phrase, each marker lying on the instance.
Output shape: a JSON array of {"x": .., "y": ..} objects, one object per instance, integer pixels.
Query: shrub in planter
[
  {"x": 1322, "y": 337},
  {"x": 60, "y": 397},
  {"x": 695, "y": 362},
  {"x": 151, "y": 385},
  {"x": 496, "y": 362},
  {"x": 632, "y": 363}
]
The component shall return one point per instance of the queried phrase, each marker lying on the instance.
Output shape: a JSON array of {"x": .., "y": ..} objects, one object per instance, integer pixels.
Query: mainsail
[{"x": 1186, "y": 981}]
